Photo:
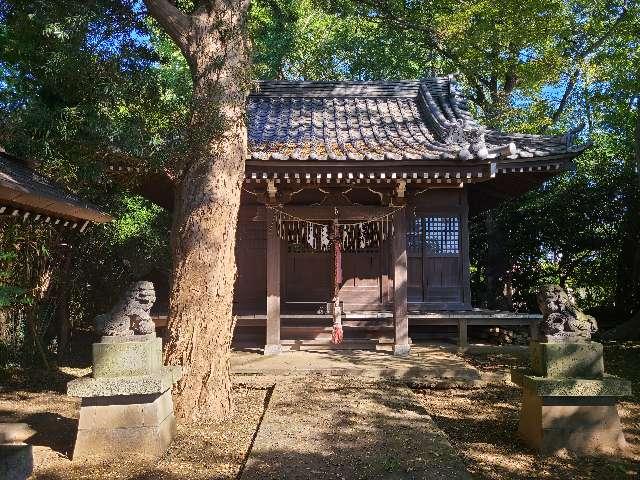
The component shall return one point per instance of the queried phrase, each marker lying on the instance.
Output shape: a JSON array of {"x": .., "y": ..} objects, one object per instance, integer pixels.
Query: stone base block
[
  {"x": 16, "y": 461},
  {"x": 562, "y": 360},
  {"x": 608, "y": 386},
  {"x": 15, "y": 433},
  {"x": 274, "y": 349},
  {"x": 401, "y": 350},
  {"x": 582, "y": 425},
  {"x": 137, "y": 355},
  {"x": 125, "y": 426},
  {"x": 155, "y": 383}
]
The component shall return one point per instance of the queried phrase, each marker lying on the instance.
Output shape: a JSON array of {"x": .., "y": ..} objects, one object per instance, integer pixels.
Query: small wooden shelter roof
[
  {"x": 416, "y": 121},
  {"x": 25, "y": 192}
]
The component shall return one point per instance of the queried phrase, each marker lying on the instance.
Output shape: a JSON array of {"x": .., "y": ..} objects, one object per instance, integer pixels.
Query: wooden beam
[
  {"x": 273, "y": 345},
  {"x": 401, "y": 344},
  {"x": 346, "y": 213}
]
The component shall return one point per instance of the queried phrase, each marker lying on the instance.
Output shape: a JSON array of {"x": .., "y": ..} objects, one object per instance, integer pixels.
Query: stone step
[{"x": 325, "y": 344}]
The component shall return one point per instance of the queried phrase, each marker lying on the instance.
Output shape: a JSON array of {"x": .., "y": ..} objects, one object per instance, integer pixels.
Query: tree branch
[
  {"x": 571, "y": 83},
  {"x": 573, "y": 78},
  {"x": 173, "y": 21}
]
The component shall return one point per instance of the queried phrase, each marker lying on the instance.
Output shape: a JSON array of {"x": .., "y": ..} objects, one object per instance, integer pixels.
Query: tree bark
[
  {"x": 63, "y": 323},
  {"x": 200, "y": 326}
]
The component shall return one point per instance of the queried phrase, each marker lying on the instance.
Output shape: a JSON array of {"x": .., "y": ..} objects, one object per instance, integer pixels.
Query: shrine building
[{"x": 355, "y": 211}]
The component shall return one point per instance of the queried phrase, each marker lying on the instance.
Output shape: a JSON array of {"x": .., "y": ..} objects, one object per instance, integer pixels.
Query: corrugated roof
[
  {"x": 21, "y": 186},
  {"x": 401, "y": 120}
]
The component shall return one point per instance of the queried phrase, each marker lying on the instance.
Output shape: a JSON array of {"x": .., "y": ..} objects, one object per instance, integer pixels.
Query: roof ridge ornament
[
  {"x": 572, "y": 134},
  {"x": 469, "y": 137}
]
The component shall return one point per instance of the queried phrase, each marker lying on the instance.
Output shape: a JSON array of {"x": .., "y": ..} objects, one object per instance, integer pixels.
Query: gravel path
[{"x": 346, "y": 428}]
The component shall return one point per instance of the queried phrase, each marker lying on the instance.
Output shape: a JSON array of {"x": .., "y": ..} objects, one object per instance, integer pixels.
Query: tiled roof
[
  {"x": 407, "y": 120},
  {"x": 22, "y": 187}
]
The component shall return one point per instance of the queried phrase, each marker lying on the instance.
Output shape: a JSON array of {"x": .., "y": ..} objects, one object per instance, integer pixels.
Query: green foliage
[
  {"x": 296, "y": 40},
  {"x": 113, "y": 255},
  {"x": 568, "y": 232},
  {"x": 10, "y": 294},
  {"x": 82, "y": 88}
]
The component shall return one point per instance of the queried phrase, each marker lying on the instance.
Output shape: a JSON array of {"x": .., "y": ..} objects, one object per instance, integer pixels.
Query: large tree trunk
[
  {"x": 200, "y": 323},
  {"x": 62, "y": 317}
]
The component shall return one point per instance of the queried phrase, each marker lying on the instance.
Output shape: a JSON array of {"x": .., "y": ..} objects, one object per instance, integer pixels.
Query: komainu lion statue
[
  {"x": 131, "y": 315},
  {"x": 563, "y": 320}
]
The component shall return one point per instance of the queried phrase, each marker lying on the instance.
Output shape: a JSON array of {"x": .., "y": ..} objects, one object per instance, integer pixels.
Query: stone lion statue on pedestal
[
  {"x": 562, "y": 319},
  {"x": 131, "y": 315}
]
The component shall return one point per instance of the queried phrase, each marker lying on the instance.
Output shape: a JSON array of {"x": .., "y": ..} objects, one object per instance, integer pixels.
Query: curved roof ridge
[{"x": 340, "y": 88}]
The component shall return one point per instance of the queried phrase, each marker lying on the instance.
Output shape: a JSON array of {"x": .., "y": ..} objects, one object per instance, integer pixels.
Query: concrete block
[
  {"x": 574, "y": 360},
  {"x": 401, "y": 350},
  {"x": 122, "y": 427},
  {"x": 585, "y": 426},
  {"x": 131, "y": 358},
  {"x": 125, "y": 443},
  {"x": 15, "y": 432},
  {"x": 125, "y": 411},
  {"x": 608, "y": 386},
  {"x": 273, "y": 349},
  {"x": 115, "y": 386},
  {"x": 16, "y": 461}
]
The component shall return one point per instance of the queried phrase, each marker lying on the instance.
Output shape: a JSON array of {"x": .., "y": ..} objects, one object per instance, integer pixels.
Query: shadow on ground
[
  {"x": 367, "y": 430},
  {"x": 482, "y": 425}
]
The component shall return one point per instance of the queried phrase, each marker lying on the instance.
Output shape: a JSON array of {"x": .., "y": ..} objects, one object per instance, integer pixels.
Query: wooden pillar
[
  {"x": 462, "y": 333},
  {"x": 401, "y": 344},
  {"x": 273, "y": 345},
  {"x": 534, "y": 330}
]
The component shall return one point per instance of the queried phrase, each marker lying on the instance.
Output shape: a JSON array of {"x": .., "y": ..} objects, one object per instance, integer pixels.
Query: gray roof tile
[{"x": 355, "y": 121}]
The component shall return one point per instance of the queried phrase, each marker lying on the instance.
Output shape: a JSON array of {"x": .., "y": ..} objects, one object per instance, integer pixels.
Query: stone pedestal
[
  {"x": 126, "y": 409},
  {"x": 568, "y": 402},
  {"x": 16, "y": 457}
]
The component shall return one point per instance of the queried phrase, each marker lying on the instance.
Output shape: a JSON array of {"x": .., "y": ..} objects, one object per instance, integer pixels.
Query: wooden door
[
  {"x": 415, "y": 271},
  {"x": 362, "y": 280},
  {"x": 307, "y": 279},
  {"x": 435, "y": 264},
  {"x": 442, "y": 262},
  {"x": 251, "y": 280}
]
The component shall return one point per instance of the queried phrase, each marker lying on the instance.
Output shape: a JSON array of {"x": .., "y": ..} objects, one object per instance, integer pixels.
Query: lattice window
[
  {"x": 442, "y": 235},
  {"x": 414, "y": 236},
  {"x": 437, "y": 235}
]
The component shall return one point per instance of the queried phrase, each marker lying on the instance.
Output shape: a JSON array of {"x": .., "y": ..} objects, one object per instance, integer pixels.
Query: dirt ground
[
  {"x": 206, "y": 451},
  {"x": 482, "y": 425}
]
